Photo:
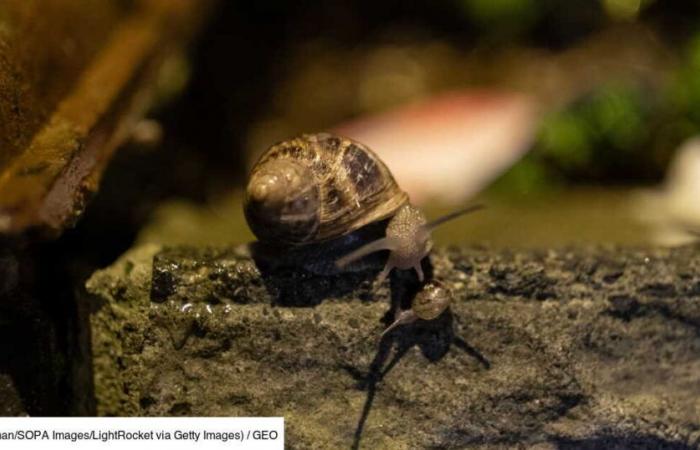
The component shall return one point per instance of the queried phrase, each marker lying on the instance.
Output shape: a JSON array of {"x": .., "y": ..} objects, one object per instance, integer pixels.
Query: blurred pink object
[{"x": 450, "y": 146}]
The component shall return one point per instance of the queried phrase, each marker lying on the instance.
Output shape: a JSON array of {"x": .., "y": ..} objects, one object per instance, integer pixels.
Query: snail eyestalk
[{"x": 453, "y": 215}]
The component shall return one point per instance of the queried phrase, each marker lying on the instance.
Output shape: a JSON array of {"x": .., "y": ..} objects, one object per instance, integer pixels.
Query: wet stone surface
[{"x": 581, "y": 348}]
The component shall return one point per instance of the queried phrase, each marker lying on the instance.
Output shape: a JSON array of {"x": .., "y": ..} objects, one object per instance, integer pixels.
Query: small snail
[
  {"x": 430, "y": 302},
  {"x": 319, "y": 187}
]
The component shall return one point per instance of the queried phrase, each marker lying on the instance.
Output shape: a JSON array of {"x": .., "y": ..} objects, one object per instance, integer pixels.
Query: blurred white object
[
  {"x": 449, "y": 147},
  {"x": 674, "y": 211},
  {"x": 683, "y": 185}
]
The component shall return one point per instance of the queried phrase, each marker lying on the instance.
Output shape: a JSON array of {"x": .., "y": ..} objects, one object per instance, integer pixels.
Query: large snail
[{"x": 321, "y": 187}]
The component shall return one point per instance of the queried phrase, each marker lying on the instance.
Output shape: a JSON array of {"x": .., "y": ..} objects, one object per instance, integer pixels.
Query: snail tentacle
[
  {"x": 403, "y": 318},
  {"x": 374, "y": 246},
  {"x": 419, "y": 271},
  {"x": 384, "y": 273}
]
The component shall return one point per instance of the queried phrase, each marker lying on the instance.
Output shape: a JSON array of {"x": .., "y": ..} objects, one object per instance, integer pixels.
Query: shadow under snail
[{"x": 321, "y": 187}]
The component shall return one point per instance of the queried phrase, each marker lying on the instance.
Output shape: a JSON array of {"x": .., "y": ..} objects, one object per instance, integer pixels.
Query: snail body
[{"x": 319, "y": 187}]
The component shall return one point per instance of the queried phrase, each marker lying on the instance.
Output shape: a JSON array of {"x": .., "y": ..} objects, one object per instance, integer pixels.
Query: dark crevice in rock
[
  {"x": 44, "y": 332},
  {"x": 528, "y": 282},
  {"x": 625, "y": 307},
  {"x": 664, "y": 290},
  {"x": 669, "y": 312}
]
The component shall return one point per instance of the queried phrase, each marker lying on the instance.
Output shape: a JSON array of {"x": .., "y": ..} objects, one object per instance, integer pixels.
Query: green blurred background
[{"x": 616, "y": 84}]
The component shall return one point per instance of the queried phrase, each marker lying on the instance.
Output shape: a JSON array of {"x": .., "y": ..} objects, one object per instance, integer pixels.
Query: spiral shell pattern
[{"x": 330, "y": 186}]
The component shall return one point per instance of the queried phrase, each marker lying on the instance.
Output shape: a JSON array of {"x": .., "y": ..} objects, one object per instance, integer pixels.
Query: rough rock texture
[{"x": 581, "y": 348}]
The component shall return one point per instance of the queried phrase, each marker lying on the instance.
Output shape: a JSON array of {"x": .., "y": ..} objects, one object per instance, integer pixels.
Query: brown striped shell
[{"x": 317, "y": 187}]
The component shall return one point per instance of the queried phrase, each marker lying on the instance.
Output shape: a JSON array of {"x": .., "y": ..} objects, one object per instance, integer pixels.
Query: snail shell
[
  {"x": 431, "y": 301},
  {"x": 318, "y": 187}
]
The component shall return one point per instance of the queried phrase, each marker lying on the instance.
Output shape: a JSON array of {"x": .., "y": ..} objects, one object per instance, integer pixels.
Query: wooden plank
[{"x": 45, "y": 186}]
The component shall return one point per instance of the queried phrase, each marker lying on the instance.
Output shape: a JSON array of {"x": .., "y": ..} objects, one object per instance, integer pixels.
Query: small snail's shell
[
  {"x": 318, "y": 187},
  {"x": 431, "y": 301}
]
